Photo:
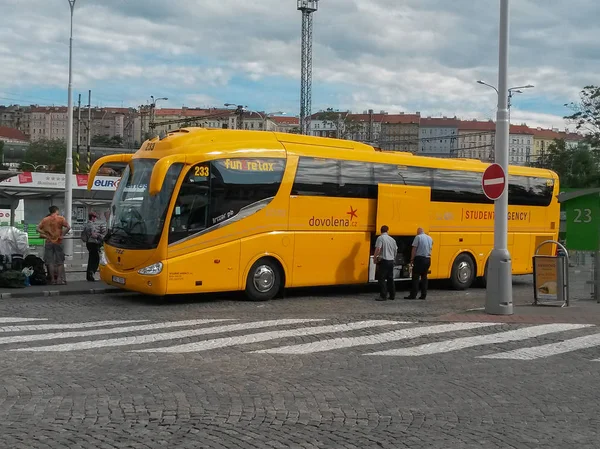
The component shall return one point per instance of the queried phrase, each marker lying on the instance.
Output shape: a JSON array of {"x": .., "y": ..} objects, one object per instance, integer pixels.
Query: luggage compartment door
[{"x": 403, "y": 209}]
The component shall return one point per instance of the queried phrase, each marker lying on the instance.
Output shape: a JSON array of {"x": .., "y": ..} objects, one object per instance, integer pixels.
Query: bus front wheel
[
  {"x": 463, "y": 272},
  {"x": 264, "y": 280}
]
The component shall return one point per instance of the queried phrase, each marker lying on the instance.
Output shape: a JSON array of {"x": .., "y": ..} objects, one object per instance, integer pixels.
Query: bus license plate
[{"x": 118, "y": 280}]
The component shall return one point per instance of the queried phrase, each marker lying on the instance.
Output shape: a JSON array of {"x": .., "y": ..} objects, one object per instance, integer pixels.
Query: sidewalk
[
  {"x": 579, "y": 312},
  {"x": 77, "y": 285}
]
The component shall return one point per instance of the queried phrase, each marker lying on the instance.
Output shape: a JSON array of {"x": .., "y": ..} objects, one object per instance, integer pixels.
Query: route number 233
[
  {"x": 582, "y": 216},
  {"x": 201, "y": 171}
]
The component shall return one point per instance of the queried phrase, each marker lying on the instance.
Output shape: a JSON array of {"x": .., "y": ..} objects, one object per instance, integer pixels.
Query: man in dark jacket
[{"x": 93, "y": 235}]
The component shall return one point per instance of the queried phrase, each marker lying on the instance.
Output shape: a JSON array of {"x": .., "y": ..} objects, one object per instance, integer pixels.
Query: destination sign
[{"x": 249, "y": 165}]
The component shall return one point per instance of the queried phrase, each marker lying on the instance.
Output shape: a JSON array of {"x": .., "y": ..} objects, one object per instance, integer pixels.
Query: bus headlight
[
  {"x": 103, "y": 260},
  {"x": 155, "y": 268}
]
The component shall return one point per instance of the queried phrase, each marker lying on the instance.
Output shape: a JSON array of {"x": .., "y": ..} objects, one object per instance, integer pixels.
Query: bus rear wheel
[
  {"x": 482, "y": 281},
  {"x": 463, "y": 272},
  {"x": 264, "y": 280}
]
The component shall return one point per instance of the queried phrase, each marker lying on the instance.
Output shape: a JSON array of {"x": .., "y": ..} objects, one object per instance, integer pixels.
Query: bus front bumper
[{"x": 150, "y": 284}]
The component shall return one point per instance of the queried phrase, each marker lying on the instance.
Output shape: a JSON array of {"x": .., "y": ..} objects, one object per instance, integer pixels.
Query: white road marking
[
  {"x": 347, "y": 342},
  {"x": 115, "y": 330},
  {"x": 43, "y": 327},
  {"x": 493, "y": 182},
  {"x": 20, "y": 320},
  {"x": 152, "y": 338},
  {"x": 264, "y": 336},
  {"x": 538, "y": 352},
  {"x": 480, "y": 340}
]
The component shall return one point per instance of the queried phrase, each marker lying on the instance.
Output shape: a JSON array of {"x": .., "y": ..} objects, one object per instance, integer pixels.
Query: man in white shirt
[
  {"x": 385, "y": 254},
  {"x": 421, "y": 260}
]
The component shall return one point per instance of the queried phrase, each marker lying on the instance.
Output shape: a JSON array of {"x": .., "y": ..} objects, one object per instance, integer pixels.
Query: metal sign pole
[{"x": 499, "y": 300}]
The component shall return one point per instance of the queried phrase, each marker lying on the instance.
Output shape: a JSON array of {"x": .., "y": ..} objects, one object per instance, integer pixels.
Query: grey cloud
[{"x": 423, "y": 54}]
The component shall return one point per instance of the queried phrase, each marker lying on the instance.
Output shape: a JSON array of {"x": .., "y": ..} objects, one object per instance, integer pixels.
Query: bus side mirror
[
  {"x": 126, "y": 158},
  {"x": 160, "y": 171}
]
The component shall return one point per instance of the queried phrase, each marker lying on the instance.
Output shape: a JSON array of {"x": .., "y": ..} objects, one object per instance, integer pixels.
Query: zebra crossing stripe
[
  {"x": 43, "y": 327},
  {"x": 480, "y": 340},
  {"x": 550, "y": 349},
  {"x": 347, "y": 342},
  {"x": 114, "y": 330},
  {"x": 265, "y": 336},
  {"x": 152, "y": 338},
  {"x": 9, "y": 319}
]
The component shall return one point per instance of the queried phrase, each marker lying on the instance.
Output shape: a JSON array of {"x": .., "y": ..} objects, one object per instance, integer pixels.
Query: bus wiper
[{"x": 112, "y": 231}]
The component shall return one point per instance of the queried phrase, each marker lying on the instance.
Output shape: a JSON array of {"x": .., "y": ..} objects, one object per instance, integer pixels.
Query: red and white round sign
[{"x": 493, "y": 181}]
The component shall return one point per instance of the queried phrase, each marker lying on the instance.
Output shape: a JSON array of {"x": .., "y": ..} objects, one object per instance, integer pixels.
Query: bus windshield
[{"x": 137, "y": 219}]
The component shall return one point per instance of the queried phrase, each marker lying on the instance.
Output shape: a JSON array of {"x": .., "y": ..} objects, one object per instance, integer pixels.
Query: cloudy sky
[{"x": 394, "y": 55}]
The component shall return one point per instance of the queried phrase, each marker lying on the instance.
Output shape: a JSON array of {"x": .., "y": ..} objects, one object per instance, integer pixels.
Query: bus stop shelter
[{"x": 16, "y": 186}]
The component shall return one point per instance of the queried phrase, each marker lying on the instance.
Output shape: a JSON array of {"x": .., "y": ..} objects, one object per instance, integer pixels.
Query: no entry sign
[{"x": 493, "y": 181}]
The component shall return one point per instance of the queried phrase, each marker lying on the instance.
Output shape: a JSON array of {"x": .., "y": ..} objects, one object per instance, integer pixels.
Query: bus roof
[{"x": 228, "y": 142}]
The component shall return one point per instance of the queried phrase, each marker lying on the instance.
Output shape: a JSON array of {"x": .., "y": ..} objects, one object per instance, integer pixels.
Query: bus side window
[{"x": 191, "y": 207}]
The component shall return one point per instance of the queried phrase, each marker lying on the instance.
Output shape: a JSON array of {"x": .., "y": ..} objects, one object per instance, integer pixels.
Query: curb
[{"x": 86, "y": 291}]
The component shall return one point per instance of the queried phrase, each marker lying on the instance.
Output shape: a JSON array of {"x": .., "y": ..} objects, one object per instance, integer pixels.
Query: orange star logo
[{"x": 352, "y": 213}]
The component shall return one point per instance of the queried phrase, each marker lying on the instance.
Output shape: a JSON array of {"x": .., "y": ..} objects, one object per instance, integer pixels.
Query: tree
[
  {"x": 341, "y": 122},
  {"x": 49, "y": 152},
  {"x": 586, "y": 115},
  {"x": 102, "y": 140},
  {"x": 576, "y": 167}
]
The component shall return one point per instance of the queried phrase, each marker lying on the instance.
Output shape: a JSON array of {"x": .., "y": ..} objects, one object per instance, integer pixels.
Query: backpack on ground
[
  {"x": 39, "y": 276},
  {"x": 12, "y": 279}
]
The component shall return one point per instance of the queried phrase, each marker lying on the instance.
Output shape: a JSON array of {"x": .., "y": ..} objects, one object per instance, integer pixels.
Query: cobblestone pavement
[{"x": 321, "y": 368}]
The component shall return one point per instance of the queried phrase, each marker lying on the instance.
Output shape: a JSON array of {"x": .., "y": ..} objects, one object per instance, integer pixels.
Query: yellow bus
[{"x": 208, "y": 210}]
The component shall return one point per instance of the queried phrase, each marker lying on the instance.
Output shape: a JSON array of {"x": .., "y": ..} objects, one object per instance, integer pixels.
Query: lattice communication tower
[{"x": 307, "y": 7}]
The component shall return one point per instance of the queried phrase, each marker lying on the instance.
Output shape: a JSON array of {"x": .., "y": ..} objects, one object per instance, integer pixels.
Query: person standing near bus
[
  {"x": 93, "y": 235},
  {"x": 420, "y": 258},
  {"x": 53, "y": 228},
  {"x": 386, "y": 249}
]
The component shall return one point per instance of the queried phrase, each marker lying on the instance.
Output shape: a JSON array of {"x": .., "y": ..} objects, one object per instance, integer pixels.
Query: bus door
[{"x": 402, "y": 209}]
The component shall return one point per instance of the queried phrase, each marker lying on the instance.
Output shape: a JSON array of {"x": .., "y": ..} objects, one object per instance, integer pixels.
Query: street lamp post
[
  {"x": 516, "y": 90},
  {"x": 271, "y": 114},
  {"x": 69, "y": 159},
  {"x": 239, "y": 111},
  {"x": 35, "y": 166},
  {"x": 152, "y": 111},
  {"x": 498, "y": 300},
  {"x": 511, "y": 92},
  {"x": 264, "y": 117}
]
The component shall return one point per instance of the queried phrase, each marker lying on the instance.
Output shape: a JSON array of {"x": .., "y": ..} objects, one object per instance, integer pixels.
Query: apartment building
[
  {"x": 51, "y": 122},
  {"x": 367, "y": 126},
  {"x": 400, "y": 132},
  {"x": 15, "y": 116},
  {"x": 283, "y": 124},
  {"x": 48, "y": 122},
  {"x": 520, "y": 145},
  {"x": 170, "y": 119},
  {"x": 438, "y": 136},
  {"x": 476, "y": 139}
]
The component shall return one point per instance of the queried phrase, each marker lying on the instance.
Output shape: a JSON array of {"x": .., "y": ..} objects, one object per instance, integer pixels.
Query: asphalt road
[{"x": 320, "y": 368}]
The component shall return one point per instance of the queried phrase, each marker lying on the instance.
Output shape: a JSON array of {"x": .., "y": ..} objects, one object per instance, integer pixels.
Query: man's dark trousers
[
  {"x": 93, "y": 258},
  {"x": 386, "y": 279},
  {"x": 420, "y": 269}
]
